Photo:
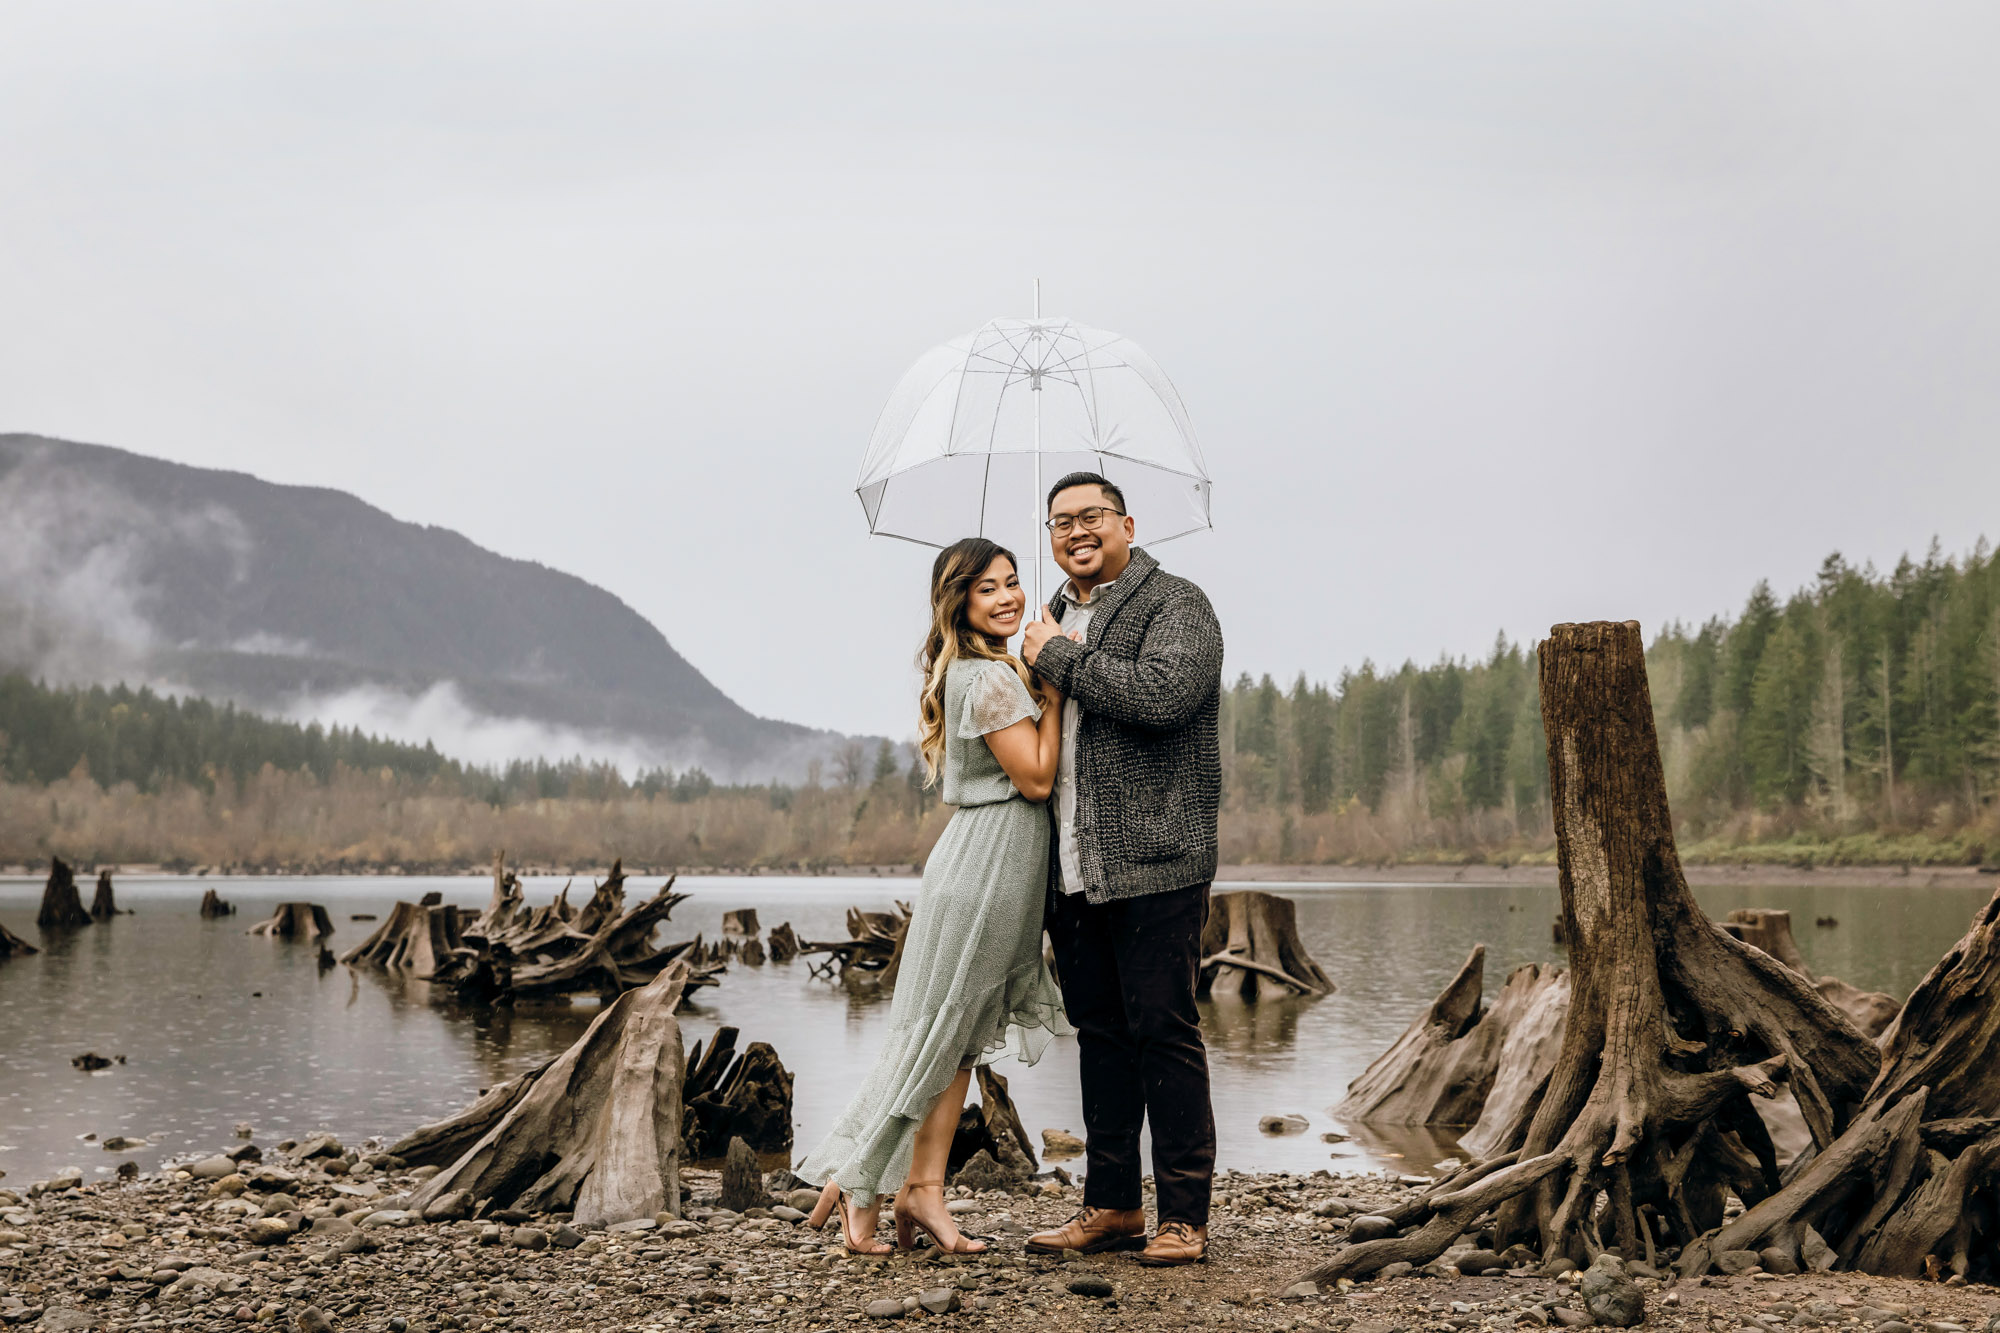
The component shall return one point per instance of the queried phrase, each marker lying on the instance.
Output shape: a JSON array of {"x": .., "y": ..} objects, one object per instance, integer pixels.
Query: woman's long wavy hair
[{"x": 951, "y": 637}]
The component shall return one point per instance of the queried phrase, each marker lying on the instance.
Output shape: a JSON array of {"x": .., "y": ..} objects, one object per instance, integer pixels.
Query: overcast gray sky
[{"x": 1488, "y": 315}]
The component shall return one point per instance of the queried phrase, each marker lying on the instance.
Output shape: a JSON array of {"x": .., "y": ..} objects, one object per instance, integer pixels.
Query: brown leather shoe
[
  {"x": 1093, "y": 1231},
  {"x": 1176, "y": 1243}
]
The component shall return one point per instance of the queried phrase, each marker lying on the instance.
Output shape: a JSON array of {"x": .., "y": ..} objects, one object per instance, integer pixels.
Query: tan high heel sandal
[
  {"x": 908, "y": 1226},
  {"x": 828, "y": 1197}
]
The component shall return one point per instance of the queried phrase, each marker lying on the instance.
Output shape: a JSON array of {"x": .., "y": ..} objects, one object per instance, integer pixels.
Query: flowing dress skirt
[{"x": 972, "y": 986}]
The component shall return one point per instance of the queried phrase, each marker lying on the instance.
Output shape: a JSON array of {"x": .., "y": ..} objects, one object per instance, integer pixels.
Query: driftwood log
[
  {"x": 1250, "y": 948},
  {"x": 1673, "y": 1023},
  {"x": 1770, "y": 929},
  {"x": 62, "y": 906},
  {"x": 417, "y": 937},
  {"x": 746, "y": 1096},
  {"x": 511, "y": 951},
  {"x": 213, "y": 905},
  {"x": 104, "y": 905},
  {"x": 13, "y": 946},
  {"x": 784, "y": 943},
  {"x": 295, "y": 921},
  {"x": 869, "y": 958},
  {"x": 598, "y": 1129}
]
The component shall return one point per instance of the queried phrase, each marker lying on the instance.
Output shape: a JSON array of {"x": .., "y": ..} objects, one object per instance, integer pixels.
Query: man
[{"x": 1137, "y": 654}]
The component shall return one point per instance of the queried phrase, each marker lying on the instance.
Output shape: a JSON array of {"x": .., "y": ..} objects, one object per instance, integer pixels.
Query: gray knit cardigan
[{"x": 1148, "y": 760}]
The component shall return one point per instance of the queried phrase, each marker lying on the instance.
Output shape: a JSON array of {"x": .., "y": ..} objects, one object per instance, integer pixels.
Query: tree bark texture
[
  {"x": 62, "y": 905},
  {"x": 295, "y": 921},
  {"x": 784, "y": 943},
  {"x": 1672, "y": 1023},
  {"x": 1251, "y": 949},
  {"x": 599, "y": 1129}
]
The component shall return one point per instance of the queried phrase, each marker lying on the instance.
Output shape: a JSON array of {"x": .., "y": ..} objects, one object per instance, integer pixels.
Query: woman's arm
[{"x": 1028, "y": 749}]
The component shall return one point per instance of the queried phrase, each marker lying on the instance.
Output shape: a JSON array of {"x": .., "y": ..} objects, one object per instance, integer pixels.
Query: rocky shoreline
[{"x": 313, "y": 1236}]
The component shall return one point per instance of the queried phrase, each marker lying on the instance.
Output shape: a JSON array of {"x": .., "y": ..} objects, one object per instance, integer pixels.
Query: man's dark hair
[{"x": 1111, "y": 492}]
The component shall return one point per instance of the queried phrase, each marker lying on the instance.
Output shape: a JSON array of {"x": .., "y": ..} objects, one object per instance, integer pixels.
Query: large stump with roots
[
  {"x": 1250, "y": 948},
  {"x": 598, "y": 1129},
  {"x": 62, "y": 905},
  {"x": 1643, "y": 1125}
]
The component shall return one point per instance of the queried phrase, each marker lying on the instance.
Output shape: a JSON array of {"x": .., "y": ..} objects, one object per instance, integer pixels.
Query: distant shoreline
[{"x": 1699, "y": 875}]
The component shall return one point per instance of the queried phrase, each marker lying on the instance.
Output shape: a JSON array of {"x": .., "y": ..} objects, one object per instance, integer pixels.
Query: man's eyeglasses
[{"x": 1088, "y": 519}]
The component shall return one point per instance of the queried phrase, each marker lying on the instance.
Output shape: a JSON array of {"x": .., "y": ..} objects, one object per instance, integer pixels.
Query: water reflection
[
  {"x": 1230, "y": 1025},
  {"x": 220, "y": 1027}
]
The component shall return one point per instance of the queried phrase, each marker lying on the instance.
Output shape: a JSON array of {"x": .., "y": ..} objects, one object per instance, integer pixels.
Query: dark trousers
[{"x": 1128, "y": 972}]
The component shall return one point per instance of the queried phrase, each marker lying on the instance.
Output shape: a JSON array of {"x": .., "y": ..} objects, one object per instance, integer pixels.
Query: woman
[{"x": 972, "y": 982}]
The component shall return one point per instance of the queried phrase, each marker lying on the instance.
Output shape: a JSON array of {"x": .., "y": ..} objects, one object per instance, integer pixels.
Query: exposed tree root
[{"x": 1672, "y": 1023}]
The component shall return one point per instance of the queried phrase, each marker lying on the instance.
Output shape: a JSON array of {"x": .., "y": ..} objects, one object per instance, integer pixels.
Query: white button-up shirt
[{"x": 1076, "y": 620}]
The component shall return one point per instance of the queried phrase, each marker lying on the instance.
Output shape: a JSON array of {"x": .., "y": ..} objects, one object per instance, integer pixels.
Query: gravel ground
[{"x": 320, "y": 1243}]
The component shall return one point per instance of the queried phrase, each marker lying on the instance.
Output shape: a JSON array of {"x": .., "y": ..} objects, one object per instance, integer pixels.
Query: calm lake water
[{"x": 218, "y": 1027}]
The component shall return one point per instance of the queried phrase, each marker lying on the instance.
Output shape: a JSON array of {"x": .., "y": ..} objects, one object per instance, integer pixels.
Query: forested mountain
[
  {"x": 118, "y": 567},
  {"x": 1860, "y": 715}
]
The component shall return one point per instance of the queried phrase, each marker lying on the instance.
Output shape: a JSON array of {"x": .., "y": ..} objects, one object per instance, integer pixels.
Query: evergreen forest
[{"x": 1856, "y": 720}]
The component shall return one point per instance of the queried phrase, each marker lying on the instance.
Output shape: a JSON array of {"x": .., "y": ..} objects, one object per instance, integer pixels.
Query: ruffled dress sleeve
[{"x": 994, "y": 700}]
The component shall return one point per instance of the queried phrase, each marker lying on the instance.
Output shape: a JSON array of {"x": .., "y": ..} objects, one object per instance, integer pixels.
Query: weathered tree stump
[
  {"x": 992, "y": 1125},
  {"x": 1770, "y": 929},
  {"x": 62, "y": 906},
  {"x": 1911, "y": 1184},
  {"x": 784, "y": 943},
  {"x": 213, "y": 905},
  {"x": 13, "y": 946},
  {"x": 742, "y": 1179},
  {"x": 1672, "y": 1022},
  {"x": 598, "y": 1129},
  {"x": 741, "y": 923},
  {"x": 415, "y": 938},
  {"x": 731, "y": 1096},
  {"x": 104, "y": 905},
  {"x": 295, "y": 921},
  {"x": 1250, "y": 948},
  {"x": 1448, "y": 1065}
]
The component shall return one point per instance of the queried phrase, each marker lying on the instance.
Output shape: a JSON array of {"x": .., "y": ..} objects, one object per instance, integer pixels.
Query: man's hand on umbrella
[{"x": 1039, "y": 632}]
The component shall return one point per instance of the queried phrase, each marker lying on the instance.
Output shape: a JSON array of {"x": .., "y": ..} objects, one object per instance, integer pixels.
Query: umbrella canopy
[{"x": 978, "y": 427}]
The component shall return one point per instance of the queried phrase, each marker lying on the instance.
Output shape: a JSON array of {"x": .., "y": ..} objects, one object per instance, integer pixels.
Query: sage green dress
[{"x": 972, "y": 984}]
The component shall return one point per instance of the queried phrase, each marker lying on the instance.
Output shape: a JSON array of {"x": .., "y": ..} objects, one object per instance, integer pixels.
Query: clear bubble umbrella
[{"x": 978, "y": 428}]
